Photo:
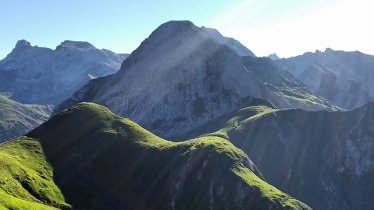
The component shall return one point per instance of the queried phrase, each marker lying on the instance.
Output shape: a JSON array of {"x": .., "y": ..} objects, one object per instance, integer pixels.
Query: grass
[
  {"x": 26, "y": 178},
  {"x": 222, "y": 126},
  {"x": 86, "y": 157},
  {"x": 268, "y": 191},
  {"x": 299, "y": 94},
  {"x": 245, "y": 115}
]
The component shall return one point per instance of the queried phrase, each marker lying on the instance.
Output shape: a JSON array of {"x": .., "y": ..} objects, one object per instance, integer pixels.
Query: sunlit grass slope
[
  {"x": 230, "y": 122},
  {"x": 101, "y": 161},
  {"x": 26, "y": 178}
]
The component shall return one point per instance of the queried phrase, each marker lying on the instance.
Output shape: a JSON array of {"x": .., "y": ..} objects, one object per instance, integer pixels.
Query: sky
[{"x": 285, "y": 27}]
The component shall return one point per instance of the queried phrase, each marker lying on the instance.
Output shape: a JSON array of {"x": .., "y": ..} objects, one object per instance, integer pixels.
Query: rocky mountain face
[
  {"x": 233, "y": 44},
  {"x": 324, "y": 158},
  {"x": 180, "y": 77},
  {"x": 346, "y": 79},
  {"x": 88, "y": 158},
  {"x": 37, "y": 75},
  {"x": 17, "y": 119}
]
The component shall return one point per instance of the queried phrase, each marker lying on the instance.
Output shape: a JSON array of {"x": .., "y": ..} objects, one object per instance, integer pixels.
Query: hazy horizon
[{"x": 288, "y": 28}]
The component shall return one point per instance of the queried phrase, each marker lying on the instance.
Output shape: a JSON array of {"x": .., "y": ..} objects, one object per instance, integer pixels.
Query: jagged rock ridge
[
  {"x": 346, "y": 79},
  {"x": 38, "y": 75}
]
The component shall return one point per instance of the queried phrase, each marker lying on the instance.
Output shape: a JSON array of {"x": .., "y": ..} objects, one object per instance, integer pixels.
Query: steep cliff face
[
  {"x": 17, "y": 119},
  {"x": 344, "y": 78},
  {"x": 88, "y": 158},
  {"x": 180, "y": 78},
  {"x": 38, "y": 75},
  {"x": 323, "y": 158}
]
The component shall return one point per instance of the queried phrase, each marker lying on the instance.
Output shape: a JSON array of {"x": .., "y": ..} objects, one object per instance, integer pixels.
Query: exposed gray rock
[
  {"x": 17, "y": 119},
  {"x": 346, "y": 79},
  {"x": 37, "y": 75},
  {"x": 233, "y": 44},
  {"x": 180, "y": 78}
]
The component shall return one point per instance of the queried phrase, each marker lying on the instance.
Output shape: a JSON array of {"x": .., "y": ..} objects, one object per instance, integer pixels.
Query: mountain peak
[
  {"x": 178, "y": 24},
  {"x": 328, "y": 49},
  {"x": 273, "y": 56},
  {"x": 75, "y": 44},
  {"x": 22, "y": 44},
  {"x": 175, "y": 27}
]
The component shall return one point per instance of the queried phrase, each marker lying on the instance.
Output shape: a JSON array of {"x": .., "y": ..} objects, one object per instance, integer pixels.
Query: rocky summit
[{"x": 180, "y": 77}]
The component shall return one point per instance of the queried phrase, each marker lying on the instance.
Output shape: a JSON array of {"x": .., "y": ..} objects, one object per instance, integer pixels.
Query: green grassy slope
[
  {"x": 226, "y": 124},
  {"x": 101, "y": 161},
  {"x": 17, "y": 119},
  {"x": 98, "y": 160},
  {"x": 26, "y": 177}
]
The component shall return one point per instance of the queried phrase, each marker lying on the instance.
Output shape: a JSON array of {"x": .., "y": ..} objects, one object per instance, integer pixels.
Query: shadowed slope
[
  {"x": 17, "y": 119},
  {"x": 323, "y": 158},
  {"x": 102, "y": 161}
]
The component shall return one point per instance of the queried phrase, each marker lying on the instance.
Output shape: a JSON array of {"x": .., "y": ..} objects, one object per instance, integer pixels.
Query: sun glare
[{"x": 342, "y": 25}]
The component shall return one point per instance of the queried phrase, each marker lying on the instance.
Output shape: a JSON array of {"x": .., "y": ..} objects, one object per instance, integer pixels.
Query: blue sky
[{"x": 287, "y": 27}]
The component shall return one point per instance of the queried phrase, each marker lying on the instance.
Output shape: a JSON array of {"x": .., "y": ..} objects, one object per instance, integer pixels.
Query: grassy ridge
[
  {"x": 26, "y": 178},
  {"x": 97, "y": 160},
  {"x": 225, "y": 124}
]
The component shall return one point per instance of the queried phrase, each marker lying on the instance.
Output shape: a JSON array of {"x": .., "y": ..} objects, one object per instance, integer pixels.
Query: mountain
[
  {"x": 180, "y": 77},
  {"x": 346, "y": 79},
  {"x": 325, "y": 159},
  {"x": 233, "y": 44},
  {"x": 274, "y": 56},
  {"x": 88, "y": 158},
  {"x": 38, "y": 75},
  {"x": 17, "y": 119}
]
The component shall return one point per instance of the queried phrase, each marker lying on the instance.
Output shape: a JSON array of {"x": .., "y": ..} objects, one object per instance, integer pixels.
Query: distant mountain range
[
  {"x": 100, "y": 161},
  {"x": 38, "y": 75},
  {"x": 181, "y": 77},
  {"x": 17, "y": 119},
  {"x": 35, "y": 78},
  {"x": 346, "y": 79}
]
